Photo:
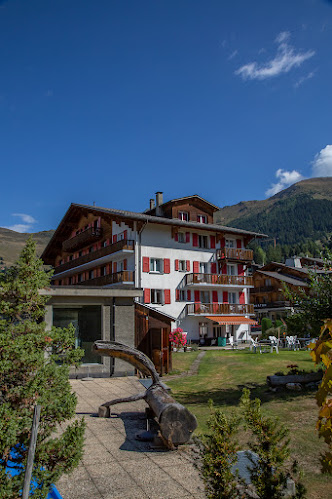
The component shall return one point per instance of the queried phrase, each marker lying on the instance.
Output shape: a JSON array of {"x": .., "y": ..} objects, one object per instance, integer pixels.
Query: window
[
  {"x": 156, "y": 296},
  {"x": 71, "y": 258},
  {"x": 182, "y": 266},
  {"x": 232, "y": 298},
  {"x": 91, "y": 274},
  {"x": 230, "y": 243},
  {"x": 181, "y": 237},
  {"x": 70, "y": 280},
  {"x": 202, "y": 241},
  {"x": 60, "y": 282},
  {"x": 203, "y": 329},
  {"x": 231, "y": 270},
  {"x": 104, "y": 244},
  {"x": 80, "y": 278},
  {"x": 203, "y": 268},
  {"x": 120, "y": 266},
  {"x": 205, "y": 297},
  {"x": 184, "y": 215},
  {"x": 182, "y": 295},
  {"x": 91, "y": 249},
  {"x": 156, "y": 265},
  {"x": 104, "y": 270},
  {"x": 268, "y": 282},
  {"x": 80, "y": 253},
  {"x": 201, "y": 219},
  {"x": 61, "y": 262}
]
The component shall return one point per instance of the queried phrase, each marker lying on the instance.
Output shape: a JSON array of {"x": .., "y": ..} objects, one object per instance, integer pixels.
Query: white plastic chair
[
  {"x": 253, "y": 345},
  {"x": 274, "y": 343}
]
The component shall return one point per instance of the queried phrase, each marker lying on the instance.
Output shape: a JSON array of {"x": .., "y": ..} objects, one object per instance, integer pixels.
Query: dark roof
[
  {"x": 284, "y": 278},
  {"x": 168, "y": 221},
  {"x": 185, "y": 198}
]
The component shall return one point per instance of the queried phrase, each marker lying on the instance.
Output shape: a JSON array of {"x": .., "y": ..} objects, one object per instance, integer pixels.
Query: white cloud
[
  {"x": 233, "y": 54},
  {"x": 322, "y": 164},
  {"x": 304, "y": 78},
  {"x": 20, "y": 227},
  {"x": 27, "y": 223},
  {"x": 285, "y": 59},
  {"x": 286, "y": 178},
  {"x": 25, "y": 218}
]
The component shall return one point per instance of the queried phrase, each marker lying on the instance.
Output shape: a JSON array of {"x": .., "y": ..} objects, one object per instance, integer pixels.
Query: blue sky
[{"x": 111, "y": 101}]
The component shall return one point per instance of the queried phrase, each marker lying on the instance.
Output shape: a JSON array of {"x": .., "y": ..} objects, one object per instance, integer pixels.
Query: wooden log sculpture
[{"x": 175, "y": 421}]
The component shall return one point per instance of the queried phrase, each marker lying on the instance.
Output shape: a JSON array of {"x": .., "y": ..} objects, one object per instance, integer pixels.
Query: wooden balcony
[
  {"x": 238, "y": 255},
  {"x": 218, "y": 280},
  {"x": 84, "y": 238},
  {"x": 274, "y": 304},
  {"x": 124, "y": 244},
  {"x": 219, "y": 309},
  {"x": 123, "y": 277}
]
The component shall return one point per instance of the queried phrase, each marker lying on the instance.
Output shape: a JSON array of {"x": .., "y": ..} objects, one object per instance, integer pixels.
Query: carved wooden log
[
  {"x": 175, "y": 421},
  {"x": 294, "y": 378}
]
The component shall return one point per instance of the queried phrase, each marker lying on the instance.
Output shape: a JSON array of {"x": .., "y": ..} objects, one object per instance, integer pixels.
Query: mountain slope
[
  {"x": 299, "y": 213},
  {"x": 12, "y": 243}
]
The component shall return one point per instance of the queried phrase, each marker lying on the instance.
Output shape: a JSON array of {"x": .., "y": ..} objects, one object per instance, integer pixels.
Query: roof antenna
[{"x": 94, "y": 203}]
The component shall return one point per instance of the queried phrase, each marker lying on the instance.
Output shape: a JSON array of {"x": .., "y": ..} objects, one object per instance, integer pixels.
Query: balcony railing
[
  {"x": 219, "y": 309},
  {"x": 218, "y": 279},
  {"x": 82, "y": 239},
  {"x": 243, "y": 255},
  {"x": 125, "y": 276},
  {"x": 124, "y": 244},
  {"x": 264, "y": 289},
  {"x": 274, "y": 304}
]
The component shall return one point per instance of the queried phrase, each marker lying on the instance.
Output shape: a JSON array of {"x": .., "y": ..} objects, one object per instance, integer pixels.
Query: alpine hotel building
[{"x": 190, "y": 269}]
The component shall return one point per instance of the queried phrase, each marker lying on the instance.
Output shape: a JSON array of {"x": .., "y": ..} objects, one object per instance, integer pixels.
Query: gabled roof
[
  {"x": 65, "y": 228},
  {"x": 284, "y": 278},
  {"x": 184, "y": 199}
]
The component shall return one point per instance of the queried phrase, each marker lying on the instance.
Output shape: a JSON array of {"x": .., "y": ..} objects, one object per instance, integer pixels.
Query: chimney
[
  {"x": 152, "y": 204},
  {"x": 159, "y": 201}
]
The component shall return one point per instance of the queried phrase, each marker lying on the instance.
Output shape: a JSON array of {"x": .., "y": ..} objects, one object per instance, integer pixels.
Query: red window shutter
[
  {"x": 195, "y": 239},
  {"x": 176, "y": 264},
  {"x": 125, "y": 264},
  {"x": 188, "y": 265},
  {"x": 240, "y": 270},
  {"x": 222, "y": 242},
  {"x": 224, "y": 269},
  {"x": 176, "y": 236},
  {"x": 241, "y": 298},
  {"x": 187, "y": 237},
  {"x": 197, "y": 296},
  {"x": 177, "y": 293},
  {"x": 212, "y": 242},
  {"x": 146, "y": 264},
  {"x": 196, "y": 267},
  {"x": 189, "y": 295},
  {"x": 238, "y": 243},
  {"x": 114, "y": 238},
  {"x": 125, "y": 234},
  {"x": 114, "y": 267},
  {"x": 146, "y": 295},
  {"x": 215, "y": 296},
  {"x": 213, "y": 268},
  {"x": 167, "y": 296},
  {"x": 225, "y": 296},
  {"x": 167, "y": 266}
]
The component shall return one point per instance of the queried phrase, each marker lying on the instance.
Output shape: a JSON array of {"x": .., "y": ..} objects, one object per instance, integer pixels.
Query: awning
[{"x": 232, "y": 321}]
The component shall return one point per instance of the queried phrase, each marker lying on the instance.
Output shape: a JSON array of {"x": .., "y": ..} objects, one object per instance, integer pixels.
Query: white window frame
[
  {"x": 182, "y": 266},
  {"x": 181, "y": 237},
  {"x": 157, "y": 296},
  {"x": 154, "y": 265},
  {"x": 205, "y": 296},
  {"x": 202, "y": 241},
  {"x": 182, "y": 295},
  {"x": 203, "y": 268},
  {"x": 230, "y": 243},
  {"x": 231, "y": 269},
  {"x": 184, "y": 216},
  {"x": 201, "y": 219},
  {"x": 232, "y": 298}
]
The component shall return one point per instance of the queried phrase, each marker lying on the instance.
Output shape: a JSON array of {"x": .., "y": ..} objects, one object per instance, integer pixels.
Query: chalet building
[
  {"x": 267, "y": 296},
  {"x": 192, "y": 271}
]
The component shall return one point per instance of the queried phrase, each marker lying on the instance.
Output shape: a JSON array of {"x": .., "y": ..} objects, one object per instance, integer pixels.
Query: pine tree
[{"x": 34, "y": 369}]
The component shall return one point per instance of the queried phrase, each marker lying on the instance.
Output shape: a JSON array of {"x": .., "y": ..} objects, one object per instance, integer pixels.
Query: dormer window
[
  {"x": 201, "y": 219},
  {"x": 184, "y": 216}
]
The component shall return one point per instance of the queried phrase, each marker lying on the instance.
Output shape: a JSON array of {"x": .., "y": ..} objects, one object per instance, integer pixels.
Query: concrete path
[{"x": 115, "y": 464}]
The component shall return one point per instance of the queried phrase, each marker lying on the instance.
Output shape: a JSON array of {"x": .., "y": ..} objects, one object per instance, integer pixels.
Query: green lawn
[
  {"x": 222, "y": 376},
  {"x": 181, "y": 361}
]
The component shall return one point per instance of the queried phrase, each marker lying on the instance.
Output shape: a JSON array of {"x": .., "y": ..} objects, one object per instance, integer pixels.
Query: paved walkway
[{"x": 115, "y": 464}]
